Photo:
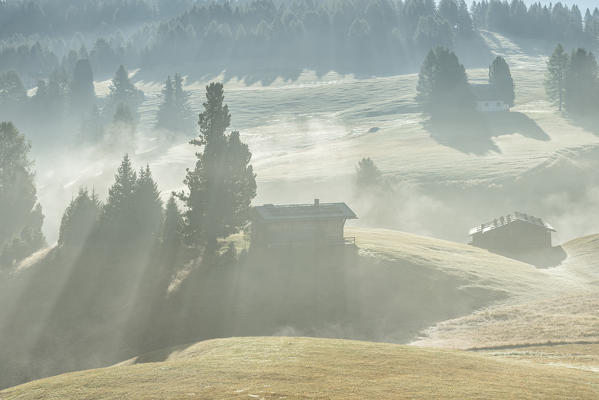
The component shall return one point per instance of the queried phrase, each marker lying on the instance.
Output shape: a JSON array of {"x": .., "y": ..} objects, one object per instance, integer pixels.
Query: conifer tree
[
  {"x": 500, "y": 79},
  {"x": 172, "y": 236},
  {"x": 367, "y": 174},
  {"x": 83, "y": 95},
  {"x": 166, "y": 110},
  {"x": 79, "y": 219},
  {"x": 580, "y": 94},
  {"x": 222, "y": 184},
  {"x": 21, "y": 216},
  {"x": 556, "y": 74},
  {"x": 443, "y": 90},
  {"x": 121, "y": 193},
  {"x": 147, "y": 212},
  {"x": 174, "y": 112},
  {"x": 123, "y": 91}
]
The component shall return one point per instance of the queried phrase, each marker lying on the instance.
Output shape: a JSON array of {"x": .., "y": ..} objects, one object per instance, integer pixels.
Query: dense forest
[{"x": 362, "y": 35}]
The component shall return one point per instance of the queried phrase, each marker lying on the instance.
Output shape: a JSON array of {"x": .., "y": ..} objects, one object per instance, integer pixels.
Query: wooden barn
[
  {"x": 513, "y": 233},
  {"x": 317, "y": 224}
]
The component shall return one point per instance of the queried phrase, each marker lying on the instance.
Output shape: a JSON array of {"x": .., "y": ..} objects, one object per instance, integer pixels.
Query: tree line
[
  {"x": 66, "y": 99},
  {"x": 572, "y": 80},
  {"x": 217, "y": 200},
  {"x": 554, "y": 21},
  {"x": 327, "y": 33}
]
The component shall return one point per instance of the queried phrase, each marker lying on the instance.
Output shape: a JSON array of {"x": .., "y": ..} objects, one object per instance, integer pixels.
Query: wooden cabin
[
  {"x": 317, "y": 224},
  {"x": 514, "y": 233}
]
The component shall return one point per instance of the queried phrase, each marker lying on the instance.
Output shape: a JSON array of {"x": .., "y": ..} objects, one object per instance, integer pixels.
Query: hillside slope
[
  {"x": 279, "y": 368},
  {"x": 559, "y": 314}
]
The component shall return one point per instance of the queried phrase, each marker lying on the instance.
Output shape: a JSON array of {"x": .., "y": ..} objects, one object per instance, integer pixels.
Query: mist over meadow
[{"x": 138, "y": 135}]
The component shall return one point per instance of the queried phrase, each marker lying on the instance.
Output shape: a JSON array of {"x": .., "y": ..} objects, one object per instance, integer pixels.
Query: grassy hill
[
  {"x": 301, "y": 368},
  {"x": 564, "y": 313}
]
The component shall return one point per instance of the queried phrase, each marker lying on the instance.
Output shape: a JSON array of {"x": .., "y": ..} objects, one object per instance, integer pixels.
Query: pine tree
[
  {"x": 556, "y": 73},
  {"x": 580, "y": 83},
  {"x": 174, "y": 112},
  {"x": 172, "y": 236},
  {"x": 148, "y": 205},
  {"x": 13, "y": 95},
  {"x": 443, "y": 90},
  {"x": 123, "y": 91},
  {"x": 182, "y": 106},
  {"x": 166, "y": 109},
  {"x": 121, "y": 193},
  {"x": 173, "y": 225},
  {"x": 367, "y": 174},
  {"x": 83, "y": 95},
  {"x": 222, "y": 184},
  {"x": 79, "y": 219},
  {"x": 21, "y": 216},
  {"x": 500, "y": 79}
]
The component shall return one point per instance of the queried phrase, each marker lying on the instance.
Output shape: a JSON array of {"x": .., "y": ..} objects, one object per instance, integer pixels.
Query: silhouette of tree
[
  {"x": 21, "y": 216},
  {"x": 443, "y": 90},
  {"x": 556, "y": 74},
  {"x": 500, "y": 79},
  {"x": 79, "y": 219},
  {"x": 222, "y": 184},
  {"x": 367, "y": 174},
  {"x": 83, "y": 95}
]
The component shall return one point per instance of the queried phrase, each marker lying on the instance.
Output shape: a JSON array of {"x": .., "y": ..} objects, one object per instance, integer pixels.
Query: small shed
[
  {"x": 316, "y": 224},
  {"x": 487, "y": 99},
  {"x": 514, "y": 233}
]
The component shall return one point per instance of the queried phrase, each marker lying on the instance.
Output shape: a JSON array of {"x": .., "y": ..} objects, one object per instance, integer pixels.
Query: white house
[{"x": 487, "y": 100}]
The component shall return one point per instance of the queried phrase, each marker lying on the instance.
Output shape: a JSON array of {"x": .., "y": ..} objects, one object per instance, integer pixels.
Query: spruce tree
[
  {"x": 83, "y": 95},
  {"x": 21, "y": 216},
  {"x": 500, "y": 79},
  {"x": 222, "y": 184},
  {"x": 166, "y": 109},
  {"x": 121, "y": 193},
  {"x": 580, "y": 94},
  {"x": 556, "y": 74},
  {"x": 367, "y": 174},
  {"x": 147, "y": 212},
  {"x": 123, "y": 91},
  {"x": 79, "y": 219},
  {"x": 443, "y": 90},
  {"x": 174, "y": 113}
]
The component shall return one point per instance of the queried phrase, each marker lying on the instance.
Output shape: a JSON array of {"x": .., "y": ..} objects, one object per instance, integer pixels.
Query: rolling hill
[{"x": 302, "y": 368}]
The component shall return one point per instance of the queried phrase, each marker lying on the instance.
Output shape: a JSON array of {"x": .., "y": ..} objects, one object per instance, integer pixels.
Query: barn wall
[
  {"x": 517, "y": 236},
  {"x": 324, "y": 232}
]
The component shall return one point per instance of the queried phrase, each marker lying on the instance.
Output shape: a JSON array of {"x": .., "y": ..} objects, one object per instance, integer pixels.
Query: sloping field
[
  {"x": 301, "y": 368},
  {"x": 559, "y": 314},
  {"x": 477, "y": 266}
]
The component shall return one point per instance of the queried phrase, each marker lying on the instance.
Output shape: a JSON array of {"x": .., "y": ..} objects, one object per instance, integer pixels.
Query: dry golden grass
[
  {"x": 565, "y": 312},
  {"x": 302, "y": 368},
  {"x": 578, "y": 356}
]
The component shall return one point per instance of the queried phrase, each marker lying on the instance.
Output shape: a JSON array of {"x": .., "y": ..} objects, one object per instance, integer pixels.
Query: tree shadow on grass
[
  {"x": 474, "y": 134},
  {"x": 589, "y": 123}
]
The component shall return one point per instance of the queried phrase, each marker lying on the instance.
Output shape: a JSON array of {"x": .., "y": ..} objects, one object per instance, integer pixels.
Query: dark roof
[
  {"x": 508, "y": 219},
  {"x": 271, "y": 212},
  {"x": 484, "y": 92}
]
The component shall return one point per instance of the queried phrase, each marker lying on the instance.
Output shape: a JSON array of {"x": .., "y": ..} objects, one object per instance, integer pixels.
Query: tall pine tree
[
  {"x": 556, "y": 74},
  {"x": 500, "y": 79},
  {"x": 21, "y": 216},
  {"x": 222, "y": 184},
  {"x": 443, "y": 90}
]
